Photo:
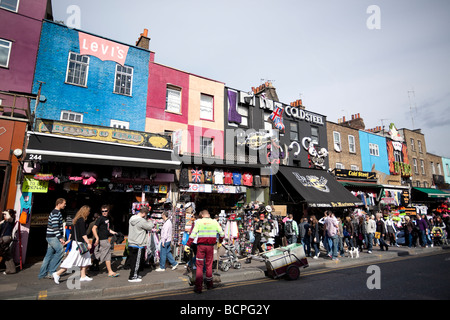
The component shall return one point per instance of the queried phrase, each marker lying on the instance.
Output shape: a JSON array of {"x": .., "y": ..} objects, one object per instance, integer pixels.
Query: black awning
[
  {"x": 318, "y": 188},
  {"x": 56, "y": 148}
]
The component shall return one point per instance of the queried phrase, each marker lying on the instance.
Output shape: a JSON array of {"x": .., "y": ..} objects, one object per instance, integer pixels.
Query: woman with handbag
[
  {"x": 381, "y": 229},
  {"x": 79, "y": 255}
]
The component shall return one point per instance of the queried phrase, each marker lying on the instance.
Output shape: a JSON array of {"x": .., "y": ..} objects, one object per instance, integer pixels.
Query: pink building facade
[{"x": 188, "y": 106}]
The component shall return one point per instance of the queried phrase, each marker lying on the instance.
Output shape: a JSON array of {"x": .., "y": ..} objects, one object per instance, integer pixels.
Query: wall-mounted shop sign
[
  {"x": 300, "y": 114},
  {"x": 398, "y": 158},
  {"x": 293, "y": 113},
  {"x": 102, "y": 48},
  {"x": 106, "y": 134},
  {"x": 405, "y": 199},
  {"x": 313, "y": 181},
  {"x": 34, "y": 186},
  {"x": 364, "y": 175}
]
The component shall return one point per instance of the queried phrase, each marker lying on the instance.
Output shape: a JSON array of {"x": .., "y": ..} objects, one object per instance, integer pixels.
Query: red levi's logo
[{"x": 102, "y": 48}]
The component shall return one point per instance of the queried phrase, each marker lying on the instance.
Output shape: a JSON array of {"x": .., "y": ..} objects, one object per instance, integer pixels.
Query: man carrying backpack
[{"x": 291, "y": 229}]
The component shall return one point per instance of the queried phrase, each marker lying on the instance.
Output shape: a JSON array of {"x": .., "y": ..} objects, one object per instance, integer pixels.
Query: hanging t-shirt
[
  {"x": 228, "y": 177},
  {"x": 196, "y": 175},
  {"x": 257, "y": 181},
  {"x": 237, "y": 178},
  {"x": 184, "y": 178},
  {"x": 218, "y": 176},
  {"x": 248, "y": 179},
  {"x": 208, "y": 177}
]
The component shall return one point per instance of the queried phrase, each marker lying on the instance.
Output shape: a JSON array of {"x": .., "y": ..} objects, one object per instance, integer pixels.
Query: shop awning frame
[
  {"x": 56, "y": 148},
  {"x": 319, "y": 188},
  {"x": 433, "y": 193}
]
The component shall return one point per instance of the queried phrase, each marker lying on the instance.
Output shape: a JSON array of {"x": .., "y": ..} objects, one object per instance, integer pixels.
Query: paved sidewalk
[{"x": 25, "y": 285}]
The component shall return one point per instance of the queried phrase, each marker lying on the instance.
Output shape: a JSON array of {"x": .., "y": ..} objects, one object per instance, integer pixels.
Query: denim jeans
[
  {"x": 423, "y": 238},
  {"x": 370, "y": 241},
  {"x": 291, "y": 239},
  {"x": 53, "y": 257},
  {"x": 330, "y": 245},
  {"x": 306, "y": 242},
  {"x": 166, "y": 254},
  {"x": 335, "y": 245}
]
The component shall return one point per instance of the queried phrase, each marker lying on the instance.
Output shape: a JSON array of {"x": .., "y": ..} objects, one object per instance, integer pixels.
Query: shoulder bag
[{"x": 82, "y": 246}]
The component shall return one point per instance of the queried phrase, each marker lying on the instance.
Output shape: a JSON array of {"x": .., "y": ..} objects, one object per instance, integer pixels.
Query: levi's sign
[{"x": 102, "y": 48}]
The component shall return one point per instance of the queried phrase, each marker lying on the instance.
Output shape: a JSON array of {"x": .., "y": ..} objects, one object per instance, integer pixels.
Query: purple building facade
[{"x": 19, "y": 41}]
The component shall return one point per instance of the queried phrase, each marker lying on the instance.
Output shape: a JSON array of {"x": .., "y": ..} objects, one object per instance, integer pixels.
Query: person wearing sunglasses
[{"x": 102, "y": 231}]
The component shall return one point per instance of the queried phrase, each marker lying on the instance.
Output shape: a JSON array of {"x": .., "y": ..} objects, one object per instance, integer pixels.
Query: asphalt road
[{"x": 406, "y": 278}]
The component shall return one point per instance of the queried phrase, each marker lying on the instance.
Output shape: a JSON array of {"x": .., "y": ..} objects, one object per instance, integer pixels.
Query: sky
[{"x": 388, "y": 60}]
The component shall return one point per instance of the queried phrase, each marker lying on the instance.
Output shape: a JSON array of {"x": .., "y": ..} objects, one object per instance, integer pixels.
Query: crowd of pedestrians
[{"x": 364, "y": 231}]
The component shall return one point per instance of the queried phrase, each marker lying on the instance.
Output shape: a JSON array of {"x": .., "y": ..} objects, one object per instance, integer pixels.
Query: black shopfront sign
[{"x": 353, "y": 174}]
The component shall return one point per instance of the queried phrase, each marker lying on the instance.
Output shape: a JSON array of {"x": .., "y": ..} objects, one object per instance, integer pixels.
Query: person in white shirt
[{"x": 166, "y": 238}]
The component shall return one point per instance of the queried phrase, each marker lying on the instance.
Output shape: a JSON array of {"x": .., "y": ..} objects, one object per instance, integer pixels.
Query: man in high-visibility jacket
[{"x": 205, "y": 230}]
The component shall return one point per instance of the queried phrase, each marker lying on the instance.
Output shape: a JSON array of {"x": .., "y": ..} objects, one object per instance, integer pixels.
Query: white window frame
[
  {"x": 338, "y": 140},
  {"x": 448, "y": 169},
  {"x": 8, "y": 46},
  {"x": 119, "y": 124},
  {"x": 418, "y": 184},
  {"x": 122, "y": 76},
  {"x": 351, "y": 145},
  {"x": 433, "y": 169},
  {"x": 354, "y": 167},
  {"x": 416, "y": 168},
  {"x": 206, "y": 107},
  {"x": 3, "y": 7},
  {"x": 72, "y": 114},
  {"x": 374, "y": 150},
  {"x": 413, "y": 147},
  {"x": 422, "y": 166},
  {"x": 339, "y": 165},
  {"x": 419, "y": 144},
  {"x": 439, "y": 169},
  {"x": 173, "y": 102},
  {"x": 207, "y": 144},
  {"x": 76, "y": 63}
]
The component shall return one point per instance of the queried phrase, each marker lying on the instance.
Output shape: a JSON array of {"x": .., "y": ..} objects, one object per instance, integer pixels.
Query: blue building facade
[
  {"x": 373, "y": 152},
  {"x": 90, "y": 79}
]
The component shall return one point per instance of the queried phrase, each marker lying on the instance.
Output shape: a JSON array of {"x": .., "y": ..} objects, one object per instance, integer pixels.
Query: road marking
[{"x": 42, "y": 295}]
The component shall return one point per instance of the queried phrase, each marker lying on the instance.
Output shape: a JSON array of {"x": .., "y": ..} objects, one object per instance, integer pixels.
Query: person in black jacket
[
  {"x": 6, "y": 237},
  {"x": 381, "y": 228},
  {"x": 314, "y": 235}
]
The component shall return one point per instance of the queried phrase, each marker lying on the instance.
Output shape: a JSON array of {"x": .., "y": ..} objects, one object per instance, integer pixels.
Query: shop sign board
[
  {"x": 106, "y": 134},
  {"x": 34, "y": 186},
  {"x": 363, "y": 175},
  {"x": 405, "y": 198}
]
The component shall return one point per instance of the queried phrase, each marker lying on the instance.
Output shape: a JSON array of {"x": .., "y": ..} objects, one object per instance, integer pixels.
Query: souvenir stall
[
  {"x": 124, "y": 189},
  {"x": 395, "y": 203}
]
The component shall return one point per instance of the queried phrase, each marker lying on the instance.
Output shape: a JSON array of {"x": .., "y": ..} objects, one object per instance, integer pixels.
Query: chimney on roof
[
  {"x": 356, "y": 122},
  {"x": 268, "y": 89},
  {"x": 144, "y": 40}
]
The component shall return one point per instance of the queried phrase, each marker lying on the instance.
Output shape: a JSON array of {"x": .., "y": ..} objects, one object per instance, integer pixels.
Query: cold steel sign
[{"x": 301, "y": 114}]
